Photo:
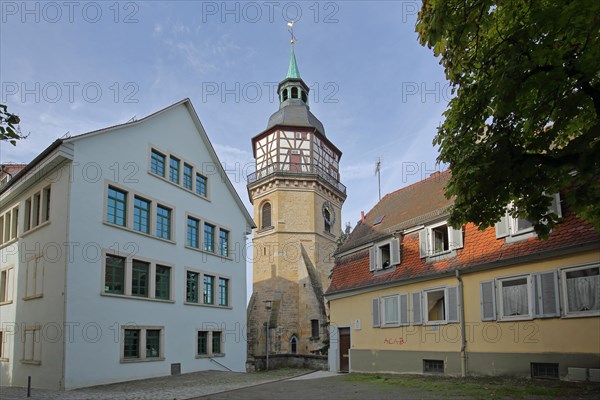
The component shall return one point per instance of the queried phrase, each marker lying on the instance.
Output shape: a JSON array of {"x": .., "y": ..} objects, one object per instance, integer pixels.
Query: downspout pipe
[{"x": 463, "y": 347}]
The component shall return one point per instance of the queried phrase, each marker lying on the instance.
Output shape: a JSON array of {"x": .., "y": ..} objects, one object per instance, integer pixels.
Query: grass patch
[{"x": 481, "y": 388}]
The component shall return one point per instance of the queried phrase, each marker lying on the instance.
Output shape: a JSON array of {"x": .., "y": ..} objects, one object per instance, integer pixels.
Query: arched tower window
[
  {"x": 327, "y": 220},
  {"x": 266, "y": 216},
  {"x": 294, "y": 93},
  {"x": 284, "y": 95},
  {"x": 293, "y": 344},
  {"x": 303, "y": 94}
]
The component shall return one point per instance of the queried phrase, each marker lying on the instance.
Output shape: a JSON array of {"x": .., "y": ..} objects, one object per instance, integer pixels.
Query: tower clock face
[{"x": 328, "y": 212}]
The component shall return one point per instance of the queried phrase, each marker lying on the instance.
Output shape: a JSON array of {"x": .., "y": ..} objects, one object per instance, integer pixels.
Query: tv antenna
[{"x": 378, "y": 173}]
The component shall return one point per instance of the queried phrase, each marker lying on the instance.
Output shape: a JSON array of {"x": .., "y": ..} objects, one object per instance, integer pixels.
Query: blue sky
[{"x": 80, "y": 66}]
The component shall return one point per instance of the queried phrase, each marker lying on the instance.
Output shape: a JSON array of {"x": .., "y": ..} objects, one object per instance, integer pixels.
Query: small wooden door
[
  {"x": 344, "y": 349},
  {"x": 295, "y": 163}
]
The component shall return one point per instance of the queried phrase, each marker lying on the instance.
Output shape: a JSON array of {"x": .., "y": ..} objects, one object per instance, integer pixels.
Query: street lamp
[{"x": 268, "y": 307}]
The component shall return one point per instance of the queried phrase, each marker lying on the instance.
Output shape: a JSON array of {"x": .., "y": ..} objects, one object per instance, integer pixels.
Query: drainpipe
[{"x": 463, "y": 347}]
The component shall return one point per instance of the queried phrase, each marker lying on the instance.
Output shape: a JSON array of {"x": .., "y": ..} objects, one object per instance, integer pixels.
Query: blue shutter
[
  {"x": 376, "y": 311},
  {"x": 416, "y": 308},
  {"x": 545, "y": 291},
  {"x": 395, "y": 252},
  {"x": 403, "y": 309},
  {"x": 372, "y": 259},
  {"x": 423, "y": 243},
  {"x": 456, "y": 237},
  {"x": 488, "y": 301},
  {"x": 502, "y": 227},
  {"x": 453, "y": 315}
]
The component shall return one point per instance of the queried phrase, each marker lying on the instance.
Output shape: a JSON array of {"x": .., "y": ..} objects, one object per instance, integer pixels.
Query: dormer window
[
  {"x": 384, "y": 255},
  {"x": 294, "y": 93},
  {"x": 438, "y": 239},
  {"x": 519, "y": 228}
]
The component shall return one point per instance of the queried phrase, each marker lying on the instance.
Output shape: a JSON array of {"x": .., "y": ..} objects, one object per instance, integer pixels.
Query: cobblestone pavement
[{"x": 165, "y": 388}]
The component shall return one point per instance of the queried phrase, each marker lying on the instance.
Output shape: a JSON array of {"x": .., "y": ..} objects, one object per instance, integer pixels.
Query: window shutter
[
  {"x": 546, "y": 294},
  {"x": 456, "y": 237},
  {"x": 372, "y": 258},
  {"x": 502, "y": 227},
  {"x": 416, "y": 304},
  {"x": 488, "y": 301},
  {"x": 452, "y": 292},
  {"x": 423, "y": 243},
  {"x": 555, "y": 206},
  {"x": 395, "y": 252},
  {"x": 376, "y": 310},
  {"x": 403, "y": 309}
]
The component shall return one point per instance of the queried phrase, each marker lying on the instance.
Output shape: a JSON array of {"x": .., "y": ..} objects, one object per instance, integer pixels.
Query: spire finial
[{"x": 291, "y": 31}]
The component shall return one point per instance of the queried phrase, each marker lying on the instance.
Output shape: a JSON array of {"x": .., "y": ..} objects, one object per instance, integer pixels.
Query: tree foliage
[
  {"x": 525, "y": 118},
  {"x": 9, "y": 130}
]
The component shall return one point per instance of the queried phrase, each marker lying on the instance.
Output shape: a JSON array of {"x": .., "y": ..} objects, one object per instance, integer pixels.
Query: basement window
[
  {"x": 433, "y": 366},
  {"x": 544, "y": 370}
]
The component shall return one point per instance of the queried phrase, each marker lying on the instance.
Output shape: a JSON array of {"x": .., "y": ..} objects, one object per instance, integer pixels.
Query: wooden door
[
  {"x": 344, "y": 349},
  {"x": 295, "y": 163}
]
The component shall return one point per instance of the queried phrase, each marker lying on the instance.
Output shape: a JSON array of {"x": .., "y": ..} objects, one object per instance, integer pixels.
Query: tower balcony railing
[{"x": 295, "y": 169}]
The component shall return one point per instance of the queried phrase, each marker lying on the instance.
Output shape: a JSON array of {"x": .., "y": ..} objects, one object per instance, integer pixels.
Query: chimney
[{"x": 362, "y": 217}]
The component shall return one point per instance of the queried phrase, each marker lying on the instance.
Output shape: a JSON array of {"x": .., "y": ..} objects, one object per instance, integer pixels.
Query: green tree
[
  {"x": 9, "y": 130},
  {"x": 525, "y": 117}
]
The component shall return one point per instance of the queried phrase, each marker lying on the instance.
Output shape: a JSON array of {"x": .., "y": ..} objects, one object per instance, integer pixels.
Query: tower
[{"x": 297, "y": 197}]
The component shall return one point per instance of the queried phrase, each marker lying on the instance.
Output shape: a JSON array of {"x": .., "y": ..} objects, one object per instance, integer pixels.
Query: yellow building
[
  {"x": 409, "y": 294},
  {"x": 297, "y": 198}
]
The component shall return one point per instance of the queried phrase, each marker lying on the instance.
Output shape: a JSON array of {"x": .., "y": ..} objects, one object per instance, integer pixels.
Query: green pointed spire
[{"x": 293, "y": 71}]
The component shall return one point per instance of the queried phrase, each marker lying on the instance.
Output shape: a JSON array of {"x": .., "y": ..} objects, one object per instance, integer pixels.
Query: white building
[{"x": 122, "y": 257}]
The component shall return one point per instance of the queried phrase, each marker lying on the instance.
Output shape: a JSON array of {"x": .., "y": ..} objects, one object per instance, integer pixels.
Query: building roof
[
  {"x": 402, "y": 209},
  {"x": 295, "y": 113},
  {"x": 481, "y": 248}
]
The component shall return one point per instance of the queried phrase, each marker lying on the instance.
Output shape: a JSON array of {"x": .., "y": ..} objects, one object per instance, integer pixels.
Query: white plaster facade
[{"x": 67, "y": 331}]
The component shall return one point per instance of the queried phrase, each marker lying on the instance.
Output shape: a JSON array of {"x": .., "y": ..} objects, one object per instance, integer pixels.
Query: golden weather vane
[{"x": 291, "y": 31}]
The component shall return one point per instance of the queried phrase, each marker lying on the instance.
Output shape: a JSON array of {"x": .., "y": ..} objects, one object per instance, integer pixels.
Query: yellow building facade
[{"x": 484, "y": 304}]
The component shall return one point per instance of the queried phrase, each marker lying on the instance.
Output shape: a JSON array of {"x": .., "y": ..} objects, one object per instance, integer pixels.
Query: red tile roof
[{"x": 481, "y": 248}]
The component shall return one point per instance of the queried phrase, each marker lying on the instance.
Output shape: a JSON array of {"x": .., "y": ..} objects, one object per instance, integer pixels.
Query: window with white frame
[
  {"x": 394, "y": 310},
  {"x": 209, "y": 343},
  {"x": 6, "y": 285},
  {"x": 32, "y": 345},
  {"x": 436, "y": 306},
  {"x": 384, "y": 254},
  {"x": 136, "y": 277},
  {"x": 142, "y": 343},
  {"x": 390, "y": 310},
  {"x": 520, "y": 297},
  {"x": 8, "y": 225},
  {"x": 34, "y": 277},
  {"x": 37, "y": 209},
  {"x": 438, "y": 239},
  {"x": 518, "y": 226},
  {"x": 581, "y": 290}
]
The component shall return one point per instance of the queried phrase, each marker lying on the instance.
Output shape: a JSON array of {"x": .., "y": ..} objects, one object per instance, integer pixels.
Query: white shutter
[
  {"x": 488, "y": 301},
  {"x": 502, "y": 227},
  {"x": 395, "y": 252},
  {"x": 372, "y": 258},
  {"x": 546, "y": 294},
  {"x": 403, "y": 309},
  {"x": 376, "y": 311},
  {"x": 452, "y": 303},
  {"x": 555, "y": 206},
  {"x": 456, "y": 237},
  {"x": 416, "y": 308},
  {"x": 423, "y": 243}
]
